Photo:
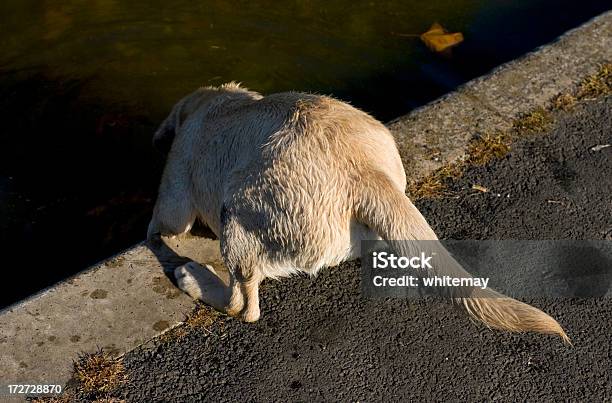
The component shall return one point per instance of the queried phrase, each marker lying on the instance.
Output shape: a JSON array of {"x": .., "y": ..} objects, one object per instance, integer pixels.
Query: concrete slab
[
  {"x": 431, "y": 136},
  {"x": 128, "y": 299},
  {"x": 534, "y": 79},
  {"x": 116, "y": 305}
]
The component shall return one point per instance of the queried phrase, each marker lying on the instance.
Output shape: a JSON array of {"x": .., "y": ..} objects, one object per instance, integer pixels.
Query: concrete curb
[{"x": 127, "y": 300}]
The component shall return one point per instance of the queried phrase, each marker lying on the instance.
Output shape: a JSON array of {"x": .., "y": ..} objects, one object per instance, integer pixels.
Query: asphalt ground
[{"x": 319, "y": 340}]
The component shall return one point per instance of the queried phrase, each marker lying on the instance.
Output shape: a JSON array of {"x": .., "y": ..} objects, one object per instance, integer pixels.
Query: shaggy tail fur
[{"x": 388, "y": 211}]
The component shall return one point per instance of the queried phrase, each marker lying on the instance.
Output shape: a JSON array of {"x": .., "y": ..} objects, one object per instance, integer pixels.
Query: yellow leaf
[
  {"x": 480, "y": 188},
  {"x": 438, "y": 40}
]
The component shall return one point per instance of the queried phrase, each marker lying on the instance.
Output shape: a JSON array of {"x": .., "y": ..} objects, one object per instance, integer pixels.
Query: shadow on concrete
[{"x": 194, "y": 261}]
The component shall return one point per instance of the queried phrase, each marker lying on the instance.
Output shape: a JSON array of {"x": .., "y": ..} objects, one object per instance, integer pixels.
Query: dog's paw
[
  {"x": 202, "y": 283},
  {"x": 236, "y": 304},
  {"x": 187, "y": 278},
  {"x": 251, "y": 315}
]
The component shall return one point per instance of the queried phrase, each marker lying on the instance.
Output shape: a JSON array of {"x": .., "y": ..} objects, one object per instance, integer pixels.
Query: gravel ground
[{"x": 319, "y": 340}]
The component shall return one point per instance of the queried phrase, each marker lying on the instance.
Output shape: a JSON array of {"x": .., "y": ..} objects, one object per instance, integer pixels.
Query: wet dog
[{"x": 293, "y": 182}]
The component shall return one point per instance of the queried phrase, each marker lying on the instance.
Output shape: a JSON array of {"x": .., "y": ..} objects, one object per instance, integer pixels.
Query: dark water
[{"x": 82, "y": 87}]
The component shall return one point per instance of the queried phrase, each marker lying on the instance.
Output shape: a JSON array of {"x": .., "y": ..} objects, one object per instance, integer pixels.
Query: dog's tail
[{"x": 388, "y": 211}]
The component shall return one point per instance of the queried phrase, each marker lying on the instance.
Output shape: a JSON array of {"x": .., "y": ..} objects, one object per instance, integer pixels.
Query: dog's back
[
  {"x": 294, "y": 185},
  {"x": 287, "y": 164}
]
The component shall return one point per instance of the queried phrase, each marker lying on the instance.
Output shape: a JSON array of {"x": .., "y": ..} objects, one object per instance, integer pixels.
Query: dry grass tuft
[
  {"x": 433, "y": 186},
  {"x": 564, "y": 102},
  {"x": 533, "y": 122},
  {"x": 597, "y": 84},
  {"x": 430, "y": 187},
  {"x": 202, "y": 316},
  {"x": 488, "y": 148},
  {"x": 98, "y": 373},
  {"x": 479, "y": 152},
  {"x": 451, "y": 171}
]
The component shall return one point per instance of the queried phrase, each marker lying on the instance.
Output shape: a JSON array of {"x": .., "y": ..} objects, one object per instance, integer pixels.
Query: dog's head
[{"x": 205, "y": 97}]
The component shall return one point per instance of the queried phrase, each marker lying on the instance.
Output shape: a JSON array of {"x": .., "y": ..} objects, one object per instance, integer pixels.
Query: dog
[{"x": 293, "y": 182}]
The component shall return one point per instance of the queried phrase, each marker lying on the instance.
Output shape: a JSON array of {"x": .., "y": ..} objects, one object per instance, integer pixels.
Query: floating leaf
[{"x": 438, "y": 40}]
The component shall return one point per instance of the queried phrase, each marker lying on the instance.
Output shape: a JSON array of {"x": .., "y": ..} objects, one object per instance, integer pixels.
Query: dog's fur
[{"x": 292, "y": 182}]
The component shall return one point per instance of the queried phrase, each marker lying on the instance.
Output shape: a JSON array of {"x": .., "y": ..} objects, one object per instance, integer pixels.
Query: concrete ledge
[
  {"x": 127, "y": 300},
  {"x": 116, "y": 305}
]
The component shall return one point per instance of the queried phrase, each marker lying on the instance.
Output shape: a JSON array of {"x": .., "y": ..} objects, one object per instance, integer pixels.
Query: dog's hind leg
[
  {"x": 243, "y": 256},
  {"x": 250, "y": 291}
]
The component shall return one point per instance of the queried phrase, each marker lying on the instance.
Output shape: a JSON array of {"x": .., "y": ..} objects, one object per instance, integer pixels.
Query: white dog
[{"x": 292, "y": 182}]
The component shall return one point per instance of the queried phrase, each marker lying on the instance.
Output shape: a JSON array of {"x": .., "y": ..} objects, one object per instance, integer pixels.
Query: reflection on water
[{"x": 82, "y": 87}]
